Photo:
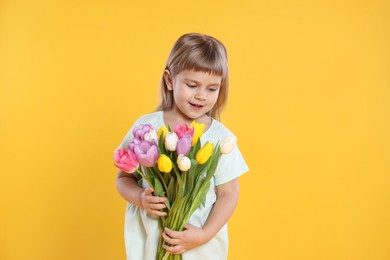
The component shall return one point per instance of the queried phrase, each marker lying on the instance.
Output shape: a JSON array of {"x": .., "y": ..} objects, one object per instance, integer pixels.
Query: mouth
[{"x": 196, "y": 105}]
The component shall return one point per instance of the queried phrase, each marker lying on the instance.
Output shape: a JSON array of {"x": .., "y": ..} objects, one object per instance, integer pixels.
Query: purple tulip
[
  {"x": 133, "y": 144},
  {"x": 140, "y": 131},
  {"x": 184, "y": 145},
  {"x": 146, "y": 153}
]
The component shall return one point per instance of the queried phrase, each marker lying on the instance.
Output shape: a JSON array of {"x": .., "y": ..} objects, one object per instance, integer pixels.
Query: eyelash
[{"x": 194, "y": 86}]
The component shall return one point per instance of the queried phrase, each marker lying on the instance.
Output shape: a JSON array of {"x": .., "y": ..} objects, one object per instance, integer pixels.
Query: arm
[
  {"x": 191, "y": 237},
  {"x": 127, "y": 186}
]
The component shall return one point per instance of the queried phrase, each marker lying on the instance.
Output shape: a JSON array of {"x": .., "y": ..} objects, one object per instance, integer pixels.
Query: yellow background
[{"x": 309, "y": 101}]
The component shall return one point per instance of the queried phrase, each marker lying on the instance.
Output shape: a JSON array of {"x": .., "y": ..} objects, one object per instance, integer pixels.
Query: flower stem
[{"x": 163, "y": 182}]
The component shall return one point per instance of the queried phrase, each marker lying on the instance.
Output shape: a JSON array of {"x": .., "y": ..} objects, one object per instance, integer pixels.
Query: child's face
[{"x": 194, "y": 93}]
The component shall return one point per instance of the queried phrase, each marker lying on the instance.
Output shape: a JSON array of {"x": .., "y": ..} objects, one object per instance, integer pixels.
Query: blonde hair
[{"x": 198, "y": 52}]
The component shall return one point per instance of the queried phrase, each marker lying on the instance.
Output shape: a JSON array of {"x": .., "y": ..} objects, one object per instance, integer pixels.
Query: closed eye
[{"x": 191, "y": 86}]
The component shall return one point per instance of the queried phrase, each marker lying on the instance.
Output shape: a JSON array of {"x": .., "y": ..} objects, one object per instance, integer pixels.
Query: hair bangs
[{"x": 202, "y": 58}]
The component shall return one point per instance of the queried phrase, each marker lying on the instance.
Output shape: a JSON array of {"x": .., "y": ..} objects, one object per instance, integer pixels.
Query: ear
[{"x": 168, "y": 79}]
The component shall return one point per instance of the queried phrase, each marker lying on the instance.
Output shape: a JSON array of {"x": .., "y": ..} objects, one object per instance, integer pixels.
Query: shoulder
[
  {"x": 220, "y": 129},
  {"x": 216, "y": 133}
]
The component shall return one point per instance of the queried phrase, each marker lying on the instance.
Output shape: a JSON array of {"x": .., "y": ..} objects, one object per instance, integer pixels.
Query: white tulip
[
  {"x": 151, "y": 136},
  {"x": 183, "y": 162},
  {"x": 171, "y": 141},
  {"x": 228, "y": 144}
]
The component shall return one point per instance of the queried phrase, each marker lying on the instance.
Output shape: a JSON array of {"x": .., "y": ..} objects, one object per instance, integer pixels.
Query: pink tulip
[
  {"x": 146, "y": 153},
  {"x": 140, "y": 131},
  {"x": 184, "y": 145},
  {"x": 182, "y": 130},
  {"x": 126, "y": 160}
]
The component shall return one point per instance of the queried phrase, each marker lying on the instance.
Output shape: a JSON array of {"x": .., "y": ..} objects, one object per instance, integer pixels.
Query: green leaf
[
  {"x": 168, "y": 204},
  {"x": 198, "y": 145},
  {"x": 158, "y": 188},
  {"x": 194, "y": 150},
  {"x": 161, "y": 145},
  {"x": 203, "y": 196},
  {"x": 175, "y": 168},
  {"x": 212, "y": 164},
  {"x": 191, "y": 176},
  {"x": 166, "y": 178},
  {"x": 198, "y": 184},
  {"x": 151, "y": 172},
  {"x": 180, "y": 186},
  {"x": 200, "y": 169},
  {"x": 150, "y": 180},
  {"x": 171, "y": 189}
]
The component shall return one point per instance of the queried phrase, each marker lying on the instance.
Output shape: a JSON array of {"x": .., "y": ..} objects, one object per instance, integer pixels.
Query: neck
[{"x": 173, "y": 118}]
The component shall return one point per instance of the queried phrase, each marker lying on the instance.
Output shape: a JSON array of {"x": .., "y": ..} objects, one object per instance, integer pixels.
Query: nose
[{"x": 200, "y": 94}]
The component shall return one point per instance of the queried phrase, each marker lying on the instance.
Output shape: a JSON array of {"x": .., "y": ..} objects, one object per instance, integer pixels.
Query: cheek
[
  {"x": 213, "y": 101},
  {"x": 215, "y": 96},
  {"x": 186, "y": 93},
  {"x": 180, "y": 96}
]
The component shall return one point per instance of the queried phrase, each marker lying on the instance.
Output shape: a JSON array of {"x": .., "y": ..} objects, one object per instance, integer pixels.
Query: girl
[{"x": 194, "y": 86}]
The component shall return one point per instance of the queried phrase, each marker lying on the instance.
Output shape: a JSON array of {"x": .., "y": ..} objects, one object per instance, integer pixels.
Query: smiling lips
[{"x": 196, "y": 105}]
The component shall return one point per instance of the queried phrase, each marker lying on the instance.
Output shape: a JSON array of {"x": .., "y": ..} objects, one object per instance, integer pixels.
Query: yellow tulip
[
  {"x": 198, "y": 131},
  {"x": 162, "y": 131},
  {"x": 204, "y": 153},
  {"x": 164, "y": 163}
]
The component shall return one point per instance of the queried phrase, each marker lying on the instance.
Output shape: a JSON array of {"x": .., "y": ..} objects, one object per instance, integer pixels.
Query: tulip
[
  {"x": 198, "y": 131},
  {"x": 126, "y": 160},
  {"x": 162, "y": 131},
  {"x": 140, "y": 131},
  {"x": 171, "y": 141},
  {"x": 151, "y": 136},
  {"x": 204, "y": 153},
  {"x": 146, "y": 153},
  {"x": 134, "y": 143},
  {"x": 164, "y": 163},
  {"x": 183, "y": 162},
  {"x": 182, "y": 130},
  {"x": 184, "y": 145},
  {"x": 228, "y": 144}
]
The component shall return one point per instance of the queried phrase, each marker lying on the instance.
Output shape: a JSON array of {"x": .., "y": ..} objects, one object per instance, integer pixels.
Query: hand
[
  {"x": 153, "y": 204},
  {"x": 183, "y": 241}
]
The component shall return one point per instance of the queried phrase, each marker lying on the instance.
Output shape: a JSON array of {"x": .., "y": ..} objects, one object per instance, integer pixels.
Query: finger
[
  {"x": 172, "y": 234},
  {"x": 155, "y": 199},
  {"x": 148, "y": 191},
  {"x": 157, "y": 213},
  {"x": 174, "y": 249},
  {"x": 169, "y": 240},
  {"x": 157, "y": 206}
]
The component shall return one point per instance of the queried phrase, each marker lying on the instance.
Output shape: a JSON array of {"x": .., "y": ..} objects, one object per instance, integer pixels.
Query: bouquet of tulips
[{"x": 176, "y": 166}]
